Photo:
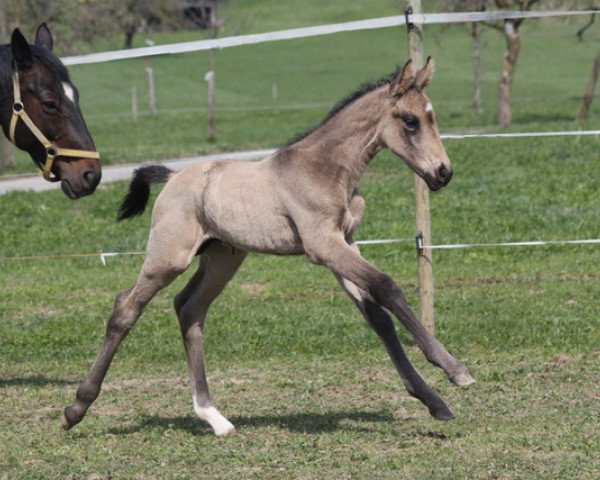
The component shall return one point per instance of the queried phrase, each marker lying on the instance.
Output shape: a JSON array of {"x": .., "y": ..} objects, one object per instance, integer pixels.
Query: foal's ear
[
  {"x": 424, "y": 76},
  {"x": 43, "y": 37},
  {"x": 21, "y": 50},
  {"x": 403, "y": 80}
]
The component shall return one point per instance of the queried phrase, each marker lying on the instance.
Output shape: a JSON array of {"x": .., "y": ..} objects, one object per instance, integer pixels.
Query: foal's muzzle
[{"x": 440, "y": 178}]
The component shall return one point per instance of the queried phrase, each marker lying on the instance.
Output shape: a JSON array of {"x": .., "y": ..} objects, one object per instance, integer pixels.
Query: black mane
[{"x": 351, "y": 98}]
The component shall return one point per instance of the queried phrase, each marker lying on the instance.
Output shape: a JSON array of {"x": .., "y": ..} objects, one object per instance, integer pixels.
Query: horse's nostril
[{"x": 89, "y": 179}]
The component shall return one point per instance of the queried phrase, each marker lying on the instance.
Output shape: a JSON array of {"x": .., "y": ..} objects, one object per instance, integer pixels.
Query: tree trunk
[
  {"x": 129, "y": 33},
  {"x": 588, "y": 96},
  {"x": 509, "y": 63},
  {"x": 7, "y": 152},
  {"x": 3, "y": 27}
]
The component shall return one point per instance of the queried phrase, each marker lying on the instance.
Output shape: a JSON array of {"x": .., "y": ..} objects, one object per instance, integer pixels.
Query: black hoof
[
  {"x": 68, "y": 419},
  {"x": 441, "y": 412}
]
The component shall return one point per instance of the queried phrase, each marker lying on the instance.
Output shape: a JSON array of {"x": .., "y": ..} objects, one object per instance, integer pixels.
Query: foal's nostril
[{"x": 444, "y": 174}]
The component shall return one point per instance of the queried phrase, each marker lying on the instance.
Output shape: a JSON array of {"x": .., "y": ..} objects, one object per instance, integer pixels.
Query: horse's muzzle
[{"x": 84, "y": 184}]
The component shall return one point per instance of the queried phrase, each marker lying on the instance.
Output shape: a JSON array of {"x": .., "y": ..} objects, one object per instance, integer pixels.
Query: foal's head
[
  {"x": 410, "y": 129},
  {"x": 62, "y": 146}
]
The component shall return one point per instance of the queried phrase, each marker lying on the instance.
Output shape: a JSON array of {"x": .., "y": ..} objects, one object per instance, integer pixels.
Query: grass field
[{"x": 290, "y": 361}]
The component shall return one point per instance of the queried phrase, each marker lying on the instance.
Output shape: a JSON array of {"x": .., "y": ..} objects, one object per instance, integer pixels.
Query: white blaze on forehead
[
  {"x": 429, "y": 107},
  {"x": 69, "y": 92}
]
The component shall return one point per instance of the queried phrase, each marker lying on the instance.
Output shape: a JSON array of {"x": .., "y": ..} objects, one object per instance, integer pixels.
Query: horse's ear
[
  {"x": 402, "y": 81},
  {"x": 424, "y": 76},
  {"x": 43, "y": 37},
  {"x": 21, "y": 50}
]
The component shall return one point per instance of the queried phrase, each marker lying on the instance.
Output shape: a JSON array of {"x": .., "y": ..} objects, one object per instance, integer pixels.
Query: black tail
[{"x": 136, "y": 199}]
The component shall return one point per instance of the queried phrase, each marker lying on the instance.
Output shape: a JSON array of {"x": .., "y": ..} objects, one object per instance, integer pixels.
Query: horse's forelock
[{"x": 50, "y": 61}]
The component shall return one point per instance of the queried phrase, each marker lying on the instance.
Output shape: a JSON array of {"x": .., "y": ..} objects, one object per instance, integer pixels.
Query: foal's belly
[
  {"x": 241, "y": 207},
  {"x": 276, "y": 236}
]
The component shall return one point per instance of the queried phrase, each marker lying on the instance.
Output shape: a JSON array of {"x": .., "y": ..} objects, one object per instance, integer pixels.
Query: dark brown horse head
[{"x": 43, "y": 116}]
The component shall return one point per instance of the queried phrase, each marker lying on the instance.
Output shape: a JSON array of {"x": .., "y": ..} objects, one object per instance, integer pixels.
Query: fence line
[
  {"x": 305, "y": 32},
  {"x": 573, "y": 133},
  {"x": 457, "y": 246},
  {"x": 104, "y": 256},
  {"x": 536, "y": 243}
]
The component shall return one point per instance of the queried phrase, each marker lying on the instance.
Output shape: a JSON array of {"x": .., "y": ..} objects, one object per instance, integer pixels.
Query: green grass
[{"x": 290, "y": 361}]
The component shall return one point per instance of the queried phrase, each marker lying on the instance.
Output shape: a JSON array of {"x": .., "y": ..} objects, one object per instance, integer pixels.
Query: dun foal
[{"x": 300, "y": 200}]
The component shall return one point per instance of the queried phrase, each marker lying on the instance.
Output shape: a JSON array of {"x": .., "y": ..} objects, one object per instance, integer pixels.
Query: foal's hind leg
[
  {"x": 166, "y": 259},
  {"x": 217, "y": 266},
  {"x": 381, "y": 322}
]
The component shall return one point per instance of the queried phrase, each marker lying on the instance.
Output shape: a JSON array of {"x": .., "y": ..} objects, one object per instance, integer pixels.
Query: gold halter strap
[{"x": 52, "y": 151}]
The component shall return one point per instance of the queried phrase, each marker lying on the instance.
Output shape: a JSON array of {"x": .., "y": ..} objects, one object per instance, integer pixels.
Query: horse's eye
[{"x": 50, "y": 106}]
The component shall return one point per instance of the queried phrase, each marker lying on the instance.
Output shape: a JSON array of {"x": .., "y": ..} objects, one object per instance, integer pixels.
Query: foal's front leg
[
  {"x": 332, "y": 250},
  {"x": 382, "y": 324}
]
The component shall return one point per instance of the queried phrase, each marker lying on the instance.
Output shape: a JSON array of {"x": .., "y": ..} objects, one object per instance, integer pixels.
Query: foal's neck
[{"x": 346, "y": 143}]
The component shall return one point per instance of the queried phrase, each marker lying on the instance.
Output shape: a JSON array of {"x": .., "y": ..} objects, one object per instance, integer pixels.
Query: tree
[
  {"x": 76, "y": 24},
  {"x": 475, "y": 32},
  {"x": 510, "y": 31},
  {"x": 509, "y": 63},
  {"x": 588, "y": 95}
]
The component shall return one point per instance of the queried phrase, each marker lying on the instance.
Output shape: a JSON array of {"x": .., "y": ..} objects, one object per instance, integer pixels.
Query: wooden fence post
[
  {"x": 588, "y": 96},
  {"x": 134, "y": 104},
  {"x": 424, "y": 258},
  {"x": 150, "y": 87},
  {"x": 211, "y": 94}
]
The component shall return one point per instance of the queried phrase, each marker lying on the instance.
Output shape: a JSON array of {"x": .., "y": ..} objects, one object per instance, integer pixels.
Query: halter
[{"x": 52, "y": 151}]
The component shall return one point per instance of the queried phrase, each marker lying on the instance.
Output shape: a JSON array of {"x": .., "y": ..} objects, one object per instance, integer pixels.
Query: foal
[{"x": 300, "y": 200}]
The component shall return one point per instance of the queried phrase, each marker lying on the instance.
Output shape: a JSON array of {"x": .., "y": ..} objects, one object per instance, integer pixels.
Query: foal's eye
[{"x": 411, "y": 123}]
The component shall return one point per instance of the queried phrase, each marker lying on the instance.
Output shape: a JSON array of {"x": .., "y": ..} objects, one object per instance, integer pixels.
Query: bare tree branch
[{"x": 586, "y": 26}]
